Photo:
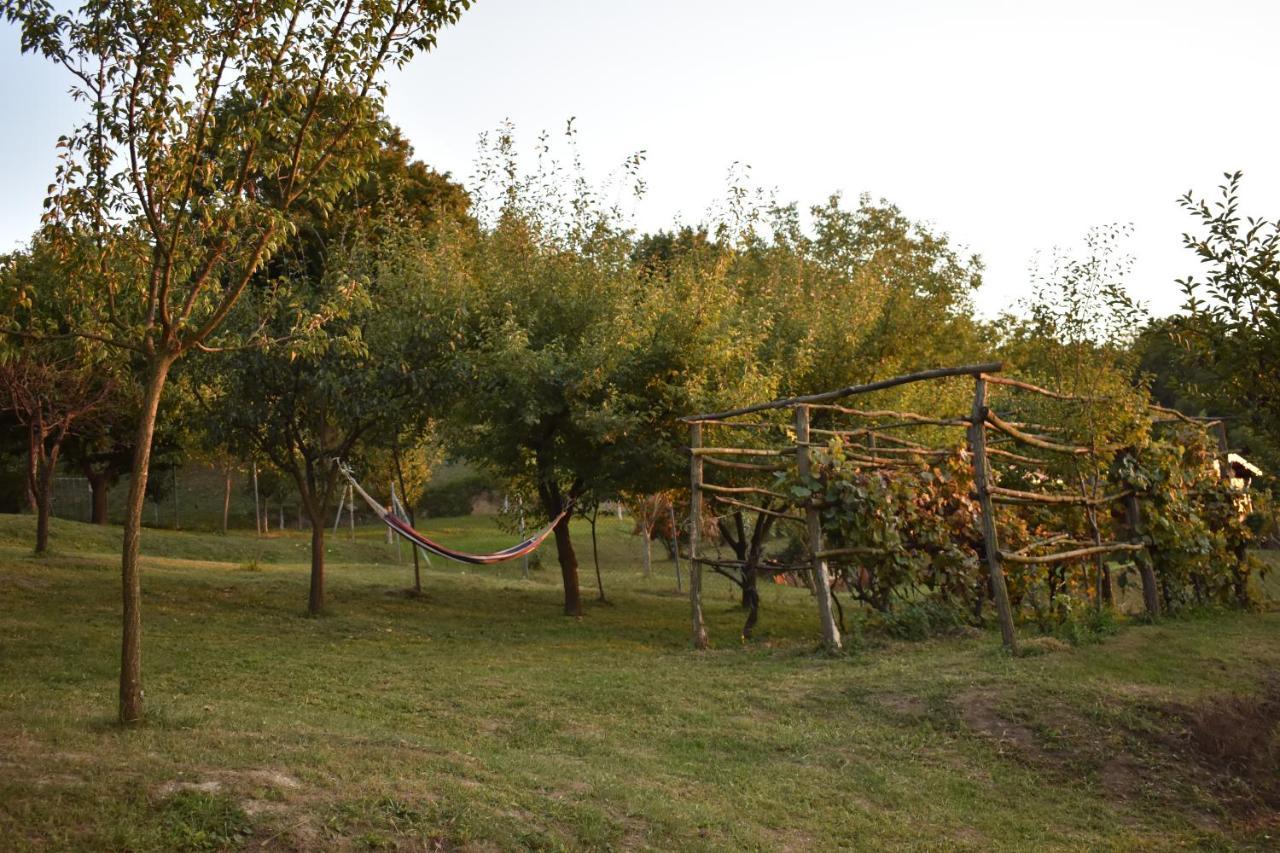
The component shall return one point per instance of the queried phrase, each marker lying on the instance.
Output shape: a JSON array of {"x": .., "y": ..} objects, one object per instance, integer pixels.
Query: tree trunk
[
  {"x": 130, "y": 580},
  {"x": 315, "y": 600},
  {"x": 33, "y": 467},
  {"x": 595, "y": 553},
  {"x": 568, "y": 568},
  {"x": 98, "y": 487},
  {"x": 44, "y": 497}
]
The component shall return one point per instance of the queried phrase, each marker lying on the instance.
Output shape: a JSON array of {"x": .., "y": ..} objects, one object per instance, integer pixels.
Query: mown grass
[{"x": 478, "y": 717}]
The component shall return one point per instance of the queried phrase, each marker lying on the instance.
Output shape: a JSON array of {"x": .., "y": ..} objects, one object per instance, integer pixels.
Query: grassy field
[{"x": 478, "y": 717}]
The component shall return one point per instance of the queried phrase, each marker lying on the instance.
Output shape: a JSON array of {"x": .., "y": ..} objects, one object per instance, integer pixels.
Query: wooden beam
[
  {"x": 1026, "y": 438},
  {"x": 789, "y": 402},
  {"x": 1072, "y": 555},
  {"x": 740, "y": 490},
  {"x": 1038, "y": 497},
  {"x": 754, "y": 508},
  {"x": 743, "y": 466},
  {"x": 734, "y": 451}
]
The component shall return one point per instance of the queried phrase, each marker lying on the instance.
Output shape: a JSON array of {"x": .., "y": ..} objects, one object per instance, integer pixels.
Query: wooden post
[
  {"x": 390, "y": 534},
  {"x": 524, "y": 561},
  {"x": 675, "y": 544},
  {"x": 226, "y": 496},
  {"x": 257, "y": 513},
  {"x": 821, "y": 581},
  {"x": 1150, "y": 594},
  {"x": 695, "y": 524},
  {"x": 981, "y": 482},
  {"x": 177, "y": 524},
  {"x": 351, "y": 510}
]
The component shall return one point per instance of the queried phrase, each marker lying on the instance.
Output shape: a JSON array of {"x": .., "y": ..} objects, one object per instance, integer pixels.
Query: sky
[{"x": 1014, "y": 127}]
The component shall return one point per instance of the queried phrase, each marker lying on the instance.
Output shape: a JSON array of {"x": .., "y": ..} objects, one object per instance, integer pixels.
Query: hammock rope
[{"x": 391, "y": 520}]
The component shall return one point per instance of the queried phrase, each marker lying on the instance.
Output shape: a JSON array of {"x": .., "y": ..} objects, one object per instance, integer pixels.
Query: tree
[
  {"x": 103, "y": 456},
  {"x": 576, "y": 361},
  {"x": 370, "y": 371},
  {"x": 51, "y": 397},
  {"x": 1231, "y": 332},
  {"x": 201, "y": 191},
  {"x": 1078, "y": 338}
]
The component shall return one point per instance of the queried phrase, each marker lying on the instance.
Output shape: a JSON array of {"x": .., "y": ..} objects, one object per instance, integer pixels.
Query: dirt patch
[
  {"x": 168, "y": 789},
  {"x": 1236, "y": 737},
  {"x": 977, "y": 710},
  {"x": 901, "y": 704},
  {"x": 274, "y": 778}
]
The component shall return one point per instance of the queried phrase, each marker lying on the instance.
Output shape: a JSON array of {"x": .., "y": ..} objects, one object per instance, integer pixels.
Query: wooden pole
[
  {"x": 337, "y": 519},
  {"x": 226, "y": 496},
  {"x": 524, "y": 567},
  {"x": 177, "y": 524},
  {"x": 1150, "y": 593},
  {"x": 413, "y": 520},
  {"x": 938, "y": 373},
  {"x": 675, "y": 544},
  {"x": 351, "y": 510},
  {"x": 257, "y": 513},
  {"x": 821, "y": 581},
  {"x": 695, "y": 525},
  {"x": 390, "y": 534},
  {"x": 981, "y": 481}
]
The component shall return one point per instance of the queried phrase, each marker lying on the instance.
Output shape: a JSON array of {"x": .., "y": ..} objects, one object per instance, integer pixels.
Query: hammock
[{"x": 390, "y": 519}]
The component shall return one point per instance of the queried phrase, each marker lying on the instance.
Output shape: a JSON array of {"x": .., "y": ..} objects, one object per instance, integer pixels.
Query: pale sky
[{"x": 1012, "y": 126}]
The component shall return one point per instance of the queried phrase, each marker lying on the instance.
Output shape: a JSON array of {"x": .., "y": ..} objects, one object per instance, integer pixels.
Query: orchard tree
[
  {"x": 1231, "y": 332},
  {"x": 51, "y": 396},
  {"x": 578, "y": 360},
  {"x": 203, "y": 192},
  {"x": 369, "y": 374}
]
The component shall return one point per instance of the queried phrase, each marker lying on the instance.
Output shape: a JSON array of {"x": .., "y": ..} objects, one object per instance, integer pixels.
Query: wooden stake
[
  {"x": 978, "y": 444},
  {"x": 257, "y": 513},
  {"x": 351, "y": 510},
  {"x": 675, "y": 545},
  {"x": 695, "y": 524},
  {"x": 524, "y": 568},
  {"x": 822, "y": 583}
]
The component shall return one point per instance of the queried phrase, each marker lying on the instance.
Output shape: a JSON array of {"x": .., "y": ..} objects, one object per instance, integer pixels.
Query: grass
[{"x": 478, "y": 717}]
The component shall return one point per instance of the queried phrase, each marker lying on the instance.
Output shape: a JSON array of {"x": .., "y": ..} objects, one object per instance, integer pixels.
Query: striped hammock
[{"x": 390, "y": 519}]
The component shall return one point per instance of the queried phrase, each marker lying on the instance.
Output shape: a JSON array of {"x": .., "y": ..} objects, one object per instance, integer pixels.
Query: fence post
[
  {"x": 1133, "y": 519},
  {"x": 821, "y": 582},
  {"x": 981, "y": 482},
  {"x": 695, "y": 525}
]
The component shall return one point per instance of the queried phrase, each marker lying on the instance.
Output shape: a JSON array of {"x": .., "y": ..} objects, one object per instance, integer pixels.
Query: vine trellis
[{"x": 994, "y": 447}]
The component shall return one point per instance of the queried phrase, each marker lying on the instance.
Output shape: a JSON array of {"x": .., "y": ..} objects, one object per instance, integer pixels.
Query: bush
[{"x": 919, "y": 620}]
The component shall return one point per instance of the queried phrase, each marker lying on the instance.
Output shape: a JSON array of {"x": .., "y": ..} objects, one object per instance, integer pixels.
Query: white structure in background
[{"x": 1240, "y": 477}]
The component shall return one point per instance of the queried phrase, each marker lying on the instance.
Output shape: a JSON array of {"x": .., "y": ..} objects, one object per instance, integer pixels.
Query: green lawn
[{"x": 478, "y": 717}]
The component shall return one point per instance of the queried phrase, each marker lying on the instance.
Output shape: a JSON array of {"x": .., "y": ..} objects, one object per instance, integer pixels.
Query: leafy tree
[
  {"x": 369, "y": 374},
  {"x": 51, "y": 397},
  {"x": 202, "y": 192},
  {"x": 1231, "y": 332}
]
